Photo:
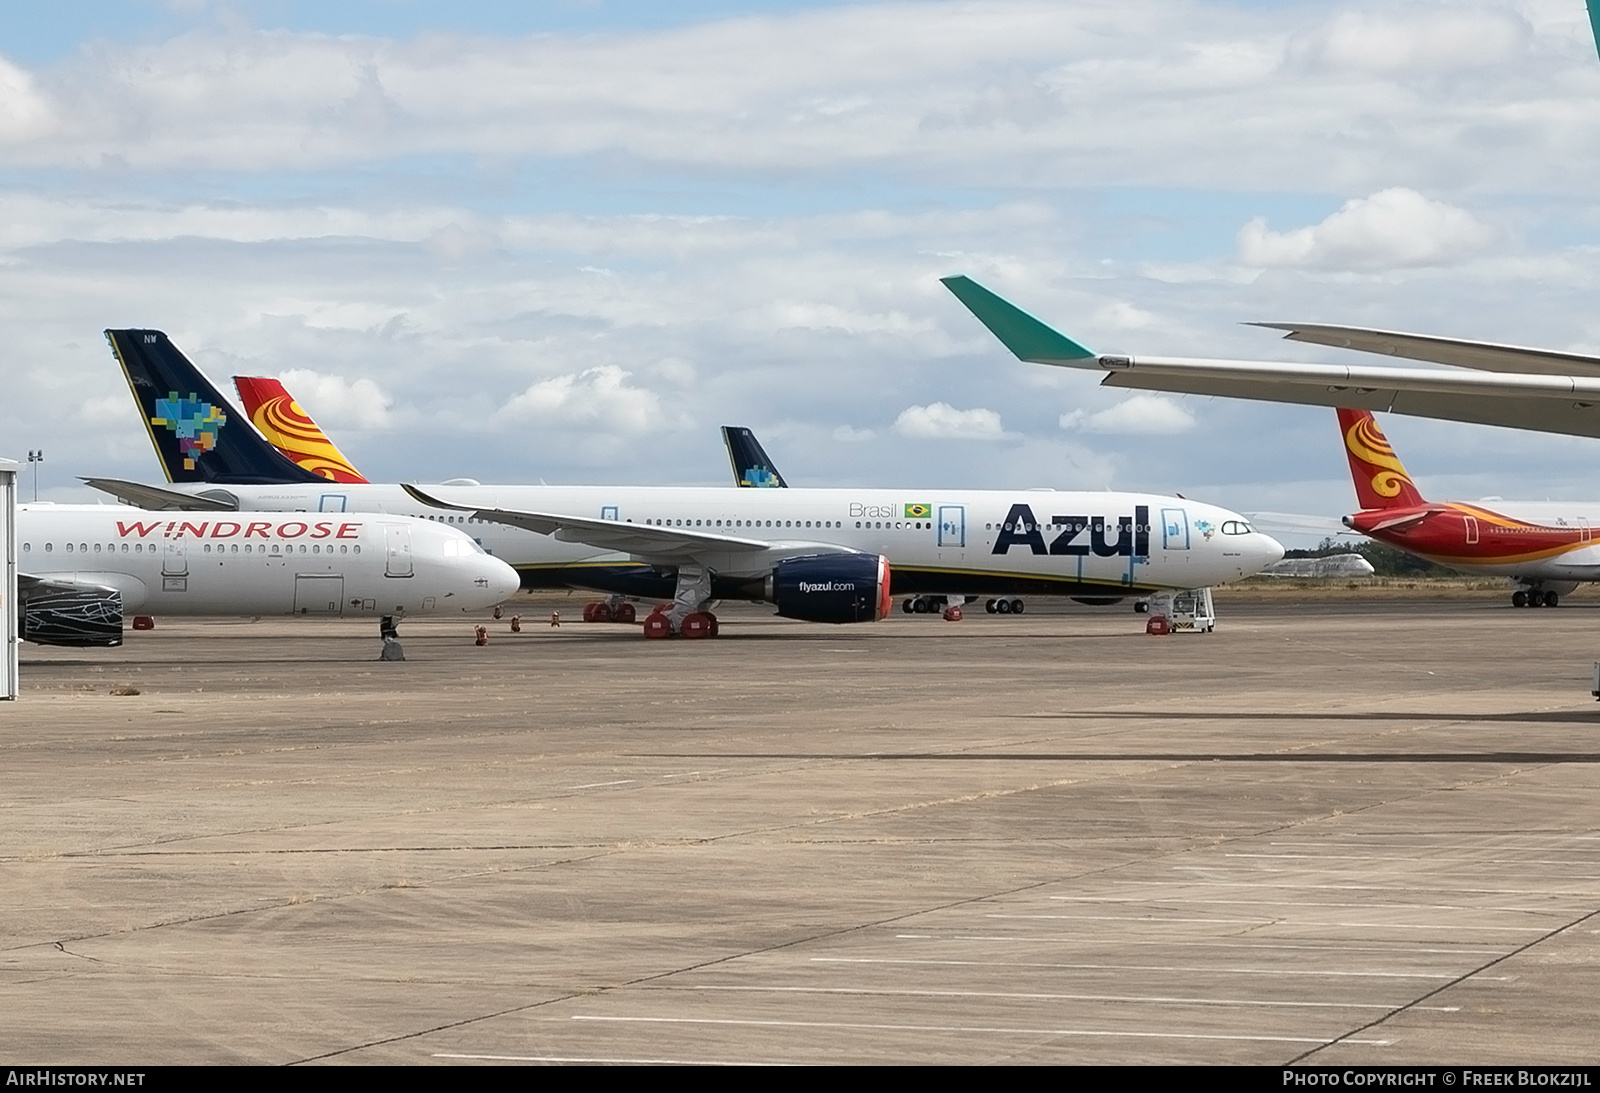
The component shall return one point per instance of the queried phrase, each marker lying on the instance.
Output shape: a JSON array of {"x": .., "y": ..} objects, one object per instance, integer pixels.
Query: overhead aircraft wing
[
  {"x": 159, "y": 497},
  {"x": 1544, "y": 403},
  {"x": 665, "y": 544},
  {"x": 1485, "y": 356}
]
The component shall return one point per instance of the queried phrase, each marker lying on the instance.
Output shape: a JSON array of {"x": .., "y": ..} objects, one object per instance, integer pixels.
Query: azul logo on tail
[
  {"x": 194, "y": 422},
  {"x": 1099, "y": 536}
]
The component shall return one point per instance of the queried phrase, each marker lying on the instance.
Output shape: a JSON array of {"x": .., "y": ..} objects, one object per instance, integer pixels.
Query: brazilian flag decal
[{"x": 918, "y": 512}]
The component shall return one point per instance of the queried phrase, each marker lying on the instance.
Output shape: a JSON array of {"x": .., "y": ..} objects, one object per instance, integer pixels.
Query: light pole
[{"x": 36, "y": 458}]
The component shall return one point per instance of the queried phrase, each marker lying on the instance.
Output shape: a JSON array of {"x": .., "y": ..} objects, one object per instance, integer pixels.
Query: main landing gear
[
  {"x": 687, "y": 616},
  {"x": 1540, "y": 593},
  {"x": 1004, "y": 607},
  {"x": 616, "y": 609},
  {"x": 1520, "y": 598},
  {"x": 946, "y": 607}
]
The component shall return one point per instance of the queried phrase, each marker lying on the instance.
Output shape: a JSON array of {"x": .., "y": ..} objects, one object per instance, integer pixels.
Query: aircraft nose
[
  {"x": 503, "y": 580},
  {"x": 1271, "y": 551}
]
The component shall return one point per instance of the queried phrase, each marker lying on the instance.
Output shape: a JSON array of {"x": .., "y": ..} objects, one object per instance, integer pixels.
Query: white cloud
[
  {"x": 1259, "y": 96},
  {"x": 597, "y": 396},
  {"x": 1410, "y": 40},
  {"x": 334, "y": 402},
  {"x": 1139, "y": 415},
  {"x": 1396, "y": 227},
  {"x": 941, "y": 421}
]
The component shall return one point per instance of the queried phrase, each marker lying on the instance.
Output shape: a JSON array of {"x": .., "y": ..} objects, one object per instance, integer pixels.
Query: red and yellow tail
[
  {"x": 1381, "y": 480},
  {"x": 291, "y": 430}
]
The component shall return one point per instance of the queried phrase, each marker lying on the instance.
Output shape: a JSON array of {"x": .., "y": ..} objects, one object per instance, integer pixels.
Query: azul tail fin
[
  {"x": 280, "y": 419},
  {"x": 1381, "y": 480},
  {"x": 1026, "y": 337},
  {"x": 751, "y": 467},
  {"x": 198, "y": 436}
]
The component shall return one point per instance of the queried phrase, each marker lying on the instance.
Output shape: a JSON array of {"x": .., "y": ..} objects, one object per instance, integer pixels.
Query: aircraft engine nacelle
[
  {"x": 831, "y": 587},
  {"x": 65, "y": 614}
]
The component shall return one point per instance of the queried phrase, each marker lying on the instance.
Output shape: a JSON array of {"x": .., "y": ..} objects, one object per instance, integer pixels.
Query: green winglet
[
  {"x": 1018, "y": 331},
  {"x": 1594, "y": 21}
]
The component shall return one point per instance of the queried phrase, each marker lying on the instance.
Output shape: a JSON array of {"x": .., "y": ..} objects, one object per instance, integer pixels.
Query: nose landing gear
[{"x": 389, "y": 633}]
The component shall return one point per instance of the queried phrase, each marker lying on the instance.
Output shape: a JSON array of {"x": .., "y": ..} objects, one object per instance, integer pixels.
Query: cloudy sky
[{"x": 567, "y": 240}]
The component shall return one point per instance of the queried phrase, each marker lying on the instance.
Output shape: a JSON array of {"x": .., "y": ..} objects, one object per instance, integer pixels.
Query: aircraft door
[
  {"x": 1584, "y": 533},
  {"x": 175, "y": 557},
  {"x": 953, "y": 526},
  {"x": 332, "y": 502},
  {"x": 318, "y": 594},
  {"x": 1174, "y": 529},
  {"x": 1472, "y": 529},
  {"x": 397, "y": 541}
]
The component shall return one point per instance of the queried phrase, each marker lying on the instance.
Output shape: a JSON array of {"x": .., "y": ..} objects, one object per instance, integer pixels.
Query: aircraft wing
[
  {"x": 1522, "y": 400},
  {"x": 1485, "y": 356},
  {"x": 158, "y": 497},
  {"x": 670, "y": 545}
]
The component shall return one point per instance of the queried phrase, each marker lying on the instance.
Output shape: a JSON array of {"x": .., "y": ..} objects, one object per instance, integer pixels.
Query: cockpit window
[{"x": 1236, "y": 527}]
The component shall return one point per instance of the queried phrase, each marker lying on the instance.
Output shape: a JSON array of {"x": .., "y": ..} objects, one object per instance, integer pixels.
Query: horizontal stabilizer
[
  {"x": 158, "y": 497},
  {"x": 1405, "y": 520},
  {"x": 1295, "y": 522}
]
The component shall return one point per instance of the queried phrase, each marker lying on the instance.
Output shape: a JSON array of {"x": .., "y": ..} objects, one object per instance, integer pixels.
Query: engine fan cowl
[
  {"x": 81, "y": 615},
  {"x": 831, "y": 588}
]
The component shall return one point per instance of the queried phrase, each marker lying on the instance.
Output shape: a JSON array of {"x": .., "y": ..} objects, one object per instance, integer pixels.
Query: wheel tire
[
  {"x": 696, "y": 625},
  {"x": 905, "y": 605},
  {"x": 1519, "y": 599},
  {"x": 657, "y": 625},
  {"x": 625, "y": 613},
  {"x": 988, "y": 605},
  {"x": 1002, "y": 607},
  {"x": 1551, "y": 599},
  {"x": 1017, "y": 607}
]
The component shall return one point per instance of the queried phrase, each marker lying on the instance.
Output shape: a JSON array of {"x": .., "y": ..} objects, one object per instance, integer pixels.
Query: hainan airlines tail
[
  {"x": 751, "y": 465},
  {"x": 1380, "y": 478},
  {"x": 281, "y": 420},
  {"x": 197, "y": 435}
]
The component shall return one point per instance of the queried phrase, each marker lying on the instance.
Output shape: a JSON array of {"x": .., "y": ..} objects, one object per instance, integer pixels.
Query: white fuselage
[
  {"x": 937, "y": 541},
  {"x": 201, "y": 563}
]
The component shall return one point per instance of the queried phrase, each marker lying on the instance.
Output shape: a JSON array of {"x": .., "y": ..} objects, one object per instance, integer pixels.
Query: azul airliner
[{"x": 823, "y": 555}]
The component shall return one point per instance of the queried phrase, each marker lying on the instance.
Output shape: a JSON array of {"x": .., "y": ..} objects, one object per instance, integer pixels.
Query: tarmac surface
[{"x": 1330, "y": 832}]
